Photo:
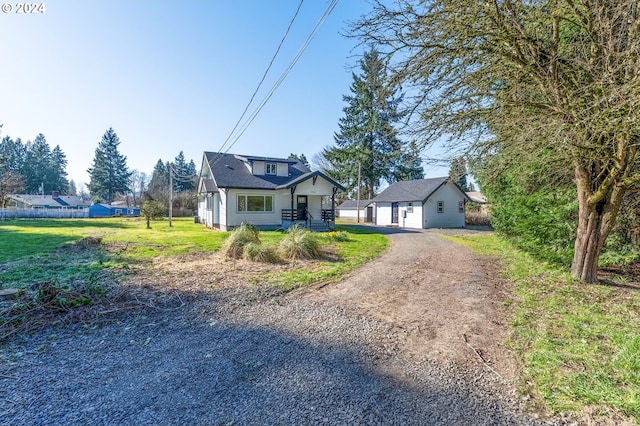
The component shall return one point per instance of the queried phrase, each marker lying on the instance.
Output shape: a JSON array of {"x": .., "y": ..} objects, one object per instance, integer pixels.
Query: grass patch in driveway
[
  {"x": 344, "y": 250},
  {"x": 579, "y": 344}
]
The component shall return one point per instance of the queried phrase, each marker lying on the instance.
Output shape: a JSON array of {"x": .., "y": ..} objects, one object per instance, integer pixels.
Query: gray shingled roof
[
  {"x": 410, "y": 190},
  {"x": 209, "y": 185},
  {"x": 353, "y": 204},
  {"x": 476, "y": 197},
  {"x": 72, "y": 201},
  {"x": 230, "y": 171},
  {"x": 310, "y": 175}
]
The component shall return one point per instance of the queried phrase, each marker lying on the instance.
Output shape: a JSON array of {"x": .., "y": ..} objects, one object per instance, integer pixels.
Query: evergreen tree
[
  {"x": 367, "y": 135},
  {"x": 109, "y": 174},
  {"x": 184, "y": 174},
  {"x": 458, "y": 173},
  {"x": 37, "y": 170},
  {"x": 57, "y": 170},
  {"x": 158, "y": 187},
  {"x": 409, "y": 165},
  {"x": 302, "y": 158},
  {"x": 13, "y": 154},
  {"x": 73, "y": 190}
]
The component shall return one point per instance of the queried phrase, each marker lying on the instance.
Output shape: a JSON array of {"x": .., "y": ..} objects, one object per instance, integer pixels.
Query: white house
[
  {"x": 267, "y": 192},
  {"x": 348, "y": 211},
  {"x": 421, "y": 203}
]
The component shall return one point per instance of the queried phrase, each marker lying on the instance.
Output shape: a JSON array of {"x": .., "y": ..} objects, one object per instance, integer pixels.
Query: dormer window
[{"x": 271, "y": 168}]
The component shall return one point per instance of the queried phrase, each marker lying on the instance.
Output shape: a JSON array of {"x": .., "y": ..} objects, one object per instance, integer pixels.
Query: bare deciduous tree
[{"x": 527, "y": 77}]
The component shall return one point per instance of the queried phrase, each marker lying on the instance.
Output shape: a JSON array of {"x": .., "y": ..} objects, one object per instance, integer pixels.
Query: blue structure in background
[{"x": 106, "y": 210}]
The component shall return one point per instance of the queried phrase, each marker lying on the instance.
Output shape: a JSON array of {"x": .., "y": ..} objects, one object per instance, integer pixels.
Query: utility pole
[
  {"x": 170, "y": 194},
  {"x": 358, "y": 199}
]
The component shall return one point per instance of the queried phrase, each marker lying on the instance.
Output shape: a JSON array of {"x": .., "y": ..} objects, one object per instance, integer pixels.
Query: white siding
[
  {"x": 451, "y": 217},
  {"x": 258, "y": 168},
  {"x": 383, "y": 214},
  {"x": 281, "y": 200},
  {"x": 413, "y": 218},
  {"x": 283, "y": 169},
  {"x": 223, "y": 209},
  {"x": 351, "y": 215},
  {"x": 314, "y": 193}
]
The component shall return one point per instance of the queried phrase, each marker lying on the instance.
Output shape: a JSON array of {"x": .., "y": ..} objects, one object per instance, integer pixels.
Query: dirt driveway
[
  {"x": 447, "y": 301},
  {"x": 385, "y": 346}
]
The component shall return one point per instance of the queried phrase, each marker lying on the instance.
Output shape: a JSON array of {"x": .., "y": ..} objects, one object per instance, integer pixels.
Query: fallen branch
[{"x": 479, "y": 355}]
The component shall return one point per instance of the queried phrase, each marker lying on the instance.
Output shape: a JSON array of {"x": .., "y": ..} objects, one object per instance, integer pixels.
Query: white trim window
[
  {"x": 255, "y": 203},
  {"x": 460, "y": 206},
  {"x": 271, "y": 168},
  {"x": 440, "y": 206},
  {"x": 409, "y": 207}
]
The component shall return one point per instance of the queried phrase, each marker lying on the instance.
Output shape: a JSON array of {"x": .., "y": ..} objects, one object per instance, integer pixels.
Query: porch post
[
  {"x": 293, "y": 189},
  {"x": 333, "y": 205}
]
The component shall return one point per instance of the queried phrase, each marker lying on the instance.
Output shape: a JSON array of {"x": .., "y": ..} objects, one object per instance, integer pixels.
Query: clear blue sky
[{"x": 173, "y": 76}]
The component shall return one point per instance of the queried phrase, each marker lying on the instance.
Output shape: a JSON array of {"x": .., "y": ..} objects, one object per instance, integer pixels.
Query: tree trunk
[
  {"x": 597, "y": 215},
  {"x": 587, "y": 246}
]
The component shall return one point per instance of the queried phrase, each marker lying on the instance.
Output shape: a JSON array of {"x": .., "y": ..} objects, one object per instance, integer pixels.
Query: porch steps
[{"x": 318, "y": 226}]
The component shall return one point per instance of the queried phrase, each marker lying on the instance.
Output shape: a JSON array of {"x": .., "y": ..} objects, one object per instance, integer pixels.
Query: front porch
[{"x": 302, "y": 217}]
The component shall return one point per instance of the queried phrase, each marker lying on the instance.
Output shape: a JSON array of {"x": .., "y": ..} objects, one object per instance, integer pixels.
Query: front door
[
  {"x": 394, "y": 212},
  {"x": 301, "y": 202},
  {"x": 369, "y": 216}
]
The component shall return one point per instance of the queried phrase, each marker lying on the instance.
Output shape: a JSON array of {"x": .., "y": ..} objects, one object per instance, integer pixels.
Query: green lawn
[
  {"x": 362, "y": 246},
  {"x": 34, "y": 251},
  {"x": 579, "y": 344}
]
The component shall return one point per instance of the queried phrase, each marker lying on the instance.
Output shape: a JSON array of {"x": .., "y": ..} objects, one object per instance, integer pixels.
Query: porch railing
[
  {"x": 328, "y": 215},
  {"x": 294, "y": 215}
]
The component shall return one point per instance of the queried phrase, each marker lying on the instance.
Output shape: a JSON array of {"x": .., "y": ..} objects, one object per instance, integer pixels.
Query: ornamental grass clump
[
  {"x": 233, "y": 246},
  {"x": 299, "y": 243},
  {"x": 261, "y": 253}
]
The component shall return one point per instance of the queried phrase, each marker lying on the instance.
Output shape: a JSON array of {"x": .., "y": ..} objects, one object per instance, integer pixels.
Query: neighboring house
[
  {"x": 53, "y": 201},
  {"x": 106, "y": 210},
  {"x": 270, "y": 193},
  {"x": 421, "y": 203},
  {"x": 476, "y": 197},
  {"x": 348, "y": 211}
]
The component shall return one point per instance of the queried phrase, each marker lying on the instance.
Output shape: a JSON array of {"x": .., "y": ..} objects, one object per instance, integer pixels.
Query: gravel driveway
[{"x": 381, "y": 347}]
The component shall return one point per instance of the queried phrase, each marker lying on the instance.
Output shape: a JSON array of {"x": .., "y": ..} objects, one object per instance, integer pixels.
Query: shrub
[
  {"x": 260, "y": 253},
  {"x": 233, "y": 246},
  {"x": 299, "y": 243}
]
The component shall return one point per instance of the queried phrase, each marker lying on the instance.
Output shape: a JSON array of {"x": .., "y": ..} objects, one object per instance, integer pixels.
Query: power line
[
  {"x": 264, "y": 76},
  {"x": 323, "y": 18}
]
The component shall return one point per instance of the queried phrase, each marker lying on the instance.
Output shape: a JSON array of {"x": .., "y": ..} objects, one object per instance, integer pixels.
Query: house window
[
  {"x": 209, "y": 202},
  {"x": 440, "y": 206},
  {"x": 460, "y": 206},
  {"x": 409, "y": 207},
  {"x": 255, "y": 203},
  {"x": 272, "y": 169}
]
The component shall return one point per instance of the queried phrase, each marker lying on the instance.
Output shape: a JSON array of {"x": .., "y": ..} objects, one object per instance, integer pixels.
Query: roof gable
[{"x": 234, "y": 171}]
